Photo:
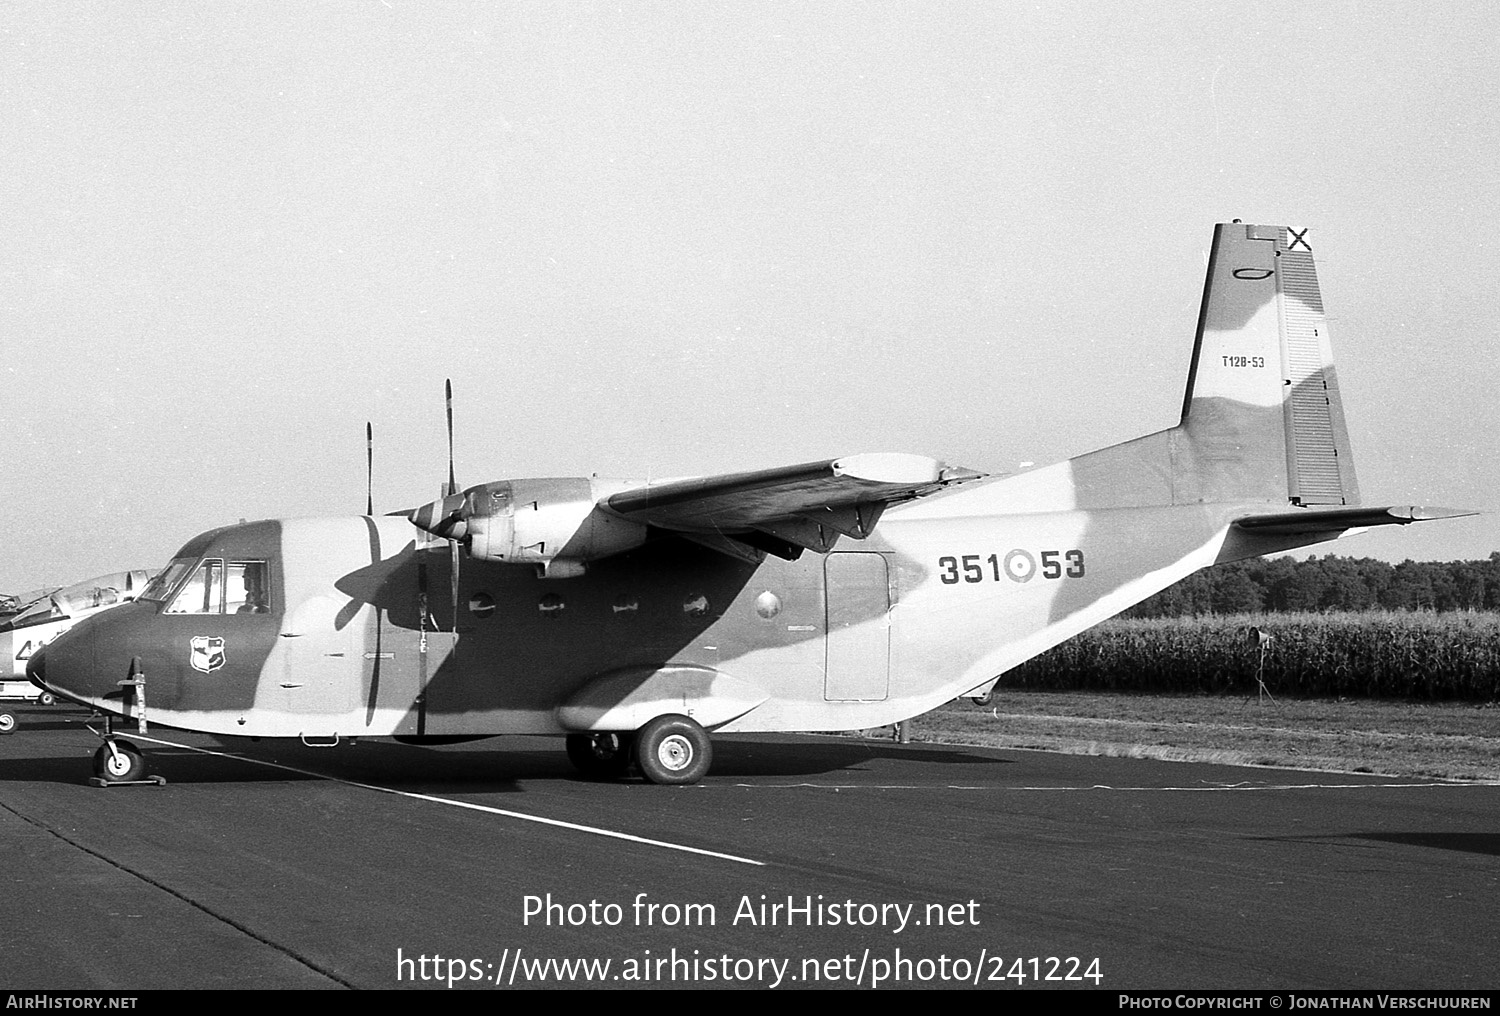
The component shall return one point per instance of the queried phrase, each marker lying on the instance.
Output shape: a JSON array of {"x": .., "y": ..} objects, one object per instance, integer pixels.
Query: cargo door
[
  {"x": 323, "y": 664},
  {"x": 858, "y": 664}
]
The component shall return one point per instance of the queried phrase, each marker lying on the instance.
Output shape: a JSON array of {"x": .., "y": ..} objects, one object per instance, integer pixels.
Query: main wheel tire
[
  {"x": 123, "y": 765},
  {"x": 600, "y": 756},
  {"x": 673, "y": 750},
  {"x": 7, "y": 723}
]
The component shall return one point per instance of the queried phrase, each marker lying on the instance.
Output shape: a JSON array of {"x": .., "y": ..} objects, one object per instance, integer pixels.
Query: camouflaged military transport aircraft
[{"x": 634, "y": 617}]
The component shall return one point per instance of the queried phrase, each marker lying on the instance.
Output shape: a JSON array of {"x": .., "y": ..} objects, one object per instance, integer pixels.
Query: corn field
[{"x": 1377, "y": 655}]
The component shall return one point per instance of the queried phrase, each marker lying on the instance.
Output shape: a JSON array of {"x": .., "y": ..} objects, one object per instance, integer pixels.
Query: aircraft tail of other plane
[{"x": 1262, "y": 420}]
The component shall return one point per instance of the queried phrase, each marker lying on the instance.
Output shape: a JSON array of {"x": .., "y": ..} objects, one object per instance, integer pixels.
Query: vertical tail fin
[
  {"x": 1262, "y": 415},
  {"x": 1262, "y": 420}
]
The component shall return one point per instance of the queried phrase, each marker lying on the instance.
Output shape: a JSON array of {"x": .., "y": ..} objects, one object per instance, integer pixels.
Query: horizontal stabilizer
[{"x": 1332, "y": 520}]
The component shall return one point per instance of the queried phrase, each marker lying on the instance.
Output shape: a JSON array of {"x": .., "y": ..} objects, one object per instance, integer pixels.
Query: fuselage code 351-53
[{"x": 1017, "y": 565}]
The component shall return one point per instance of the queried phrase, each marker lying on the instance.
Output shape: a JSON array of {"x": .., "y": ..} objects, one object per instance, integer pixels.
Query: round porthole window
[
  {"x": 768, "y": 604},
  {"x": 481, "y": 604}
]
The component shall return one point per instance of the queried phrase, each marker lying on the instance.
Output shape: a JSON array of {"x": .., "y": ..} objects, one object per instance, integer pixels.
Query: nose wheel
[{"x": 119, "y": 763}]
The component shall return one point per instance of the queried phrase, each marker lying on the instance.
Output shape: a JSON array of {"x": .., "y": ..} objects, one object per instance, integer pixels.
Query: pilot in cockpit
[{"x": 255, "y": 592}]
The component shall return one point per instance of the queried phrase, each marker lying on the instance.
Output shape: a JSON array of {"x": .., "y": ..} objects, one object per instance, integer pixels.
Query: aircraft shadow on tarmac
[
  {"x": 1472, "y": 843},
  {"x": 176, "y": 765},
  {"x": 805, "y": 757},
  {"x": 497, "y": 765},
  {"x": 500, "y": 764}
]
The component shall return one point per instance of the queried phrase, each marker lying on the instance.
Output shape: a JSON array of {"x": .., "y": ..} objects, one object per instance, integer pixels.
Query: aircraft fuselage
[{"x": 359, "y": 635}]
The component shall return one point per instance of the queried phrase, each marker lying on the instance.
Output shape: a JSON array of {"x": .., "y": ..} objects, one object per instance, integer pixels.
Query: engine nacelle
[{"x": 555, "y": 523}]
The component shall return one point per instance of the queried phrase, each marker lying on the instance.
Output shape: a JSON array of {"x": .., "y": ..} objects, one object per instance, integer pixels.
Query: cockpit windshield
[
  {"x": 45, "y": 610},
  {"x": 161, "y": 587}
]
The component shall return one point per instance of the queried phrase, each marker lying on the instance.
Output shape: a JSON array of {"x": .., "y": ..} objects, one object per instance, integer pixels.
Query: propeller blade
[
  {"x": 455, "y": 524},
  {"x": 453, "y": 567},
  {"x": 369, "y": 469},
  {"x": 448, "y": 395}
]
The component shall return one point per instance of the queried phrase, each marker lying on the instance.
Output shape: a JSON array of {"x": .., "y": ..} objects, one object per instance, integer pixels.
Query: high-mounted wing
[
  {"x": 782, "y": 510},
  {"x": 560, "y": 524}
]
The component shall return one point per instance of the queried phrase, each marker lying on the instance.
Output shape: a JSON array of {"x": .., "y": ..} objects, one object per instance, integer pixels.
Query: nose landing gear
[{"x": 119, "y": 763}]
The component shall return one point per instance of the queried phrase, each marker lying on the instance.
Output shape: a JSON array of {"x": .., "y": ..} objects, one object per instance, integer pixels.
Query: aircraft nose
[{"x": 66, "y": 664}]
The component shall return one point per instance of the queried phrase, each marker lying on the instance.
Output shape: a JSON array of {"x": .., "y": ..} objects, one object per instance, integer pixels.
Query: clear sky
[{"x": 684, "y": 238}]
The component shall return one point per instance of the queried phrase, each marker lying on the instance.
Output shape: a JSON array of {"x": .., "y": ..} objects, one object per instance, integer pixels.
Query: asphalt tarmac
[{"x": 800, "y": 861}]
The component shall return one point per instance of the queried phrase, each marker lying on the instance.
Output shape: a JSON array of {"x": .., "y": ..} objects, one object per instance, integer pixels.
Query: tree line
[{"x": 1328, "y": 583}]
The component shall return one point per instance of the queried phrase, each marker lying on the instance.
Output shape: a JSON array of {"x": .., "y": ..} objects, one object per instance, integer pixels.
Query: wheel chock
[{"x": 149, "y": 781}]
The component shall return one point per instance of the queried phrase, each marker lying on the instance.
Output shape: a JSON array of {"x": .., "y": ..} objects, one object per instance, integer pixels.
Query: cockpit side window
[
  {"x": 204, "y": 592},
  {"x": 247, "y": 589},
  {"x": 241, "y": 588},
  {"x": 161, "y": 587}
]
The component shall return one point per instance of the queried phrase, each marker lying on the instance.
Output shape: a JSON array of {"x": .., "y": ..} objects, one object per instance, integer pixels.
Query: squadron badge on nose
[{"x": 207, "y": 654}]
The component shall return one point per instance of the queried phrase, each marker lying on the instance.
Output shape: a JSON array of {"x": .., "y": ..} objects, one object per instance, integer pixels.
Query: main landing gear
[
  {"x": 671, "y": 749},
  {"x": 600, "y": 756}
]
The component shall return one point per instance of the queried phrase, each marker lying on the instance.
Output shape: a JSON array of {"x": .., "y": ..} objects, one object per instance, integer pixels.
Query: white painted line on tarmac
[
  {"x": 593, "y": 830},
  {"x": 1208, "y": 788}
]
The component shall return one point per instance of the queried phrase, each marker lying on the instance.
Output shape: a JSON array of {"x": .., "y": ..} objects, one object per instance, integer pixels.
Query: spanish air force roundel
[{"x": 207, "y": 654}]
